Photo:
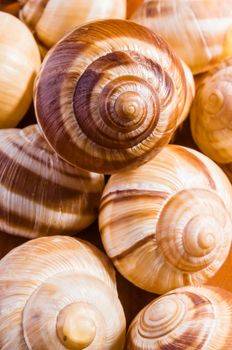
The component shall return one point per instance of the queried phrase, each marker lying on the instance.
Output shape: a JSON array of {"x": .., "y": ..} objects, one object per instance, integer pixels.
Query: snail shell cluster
[
  {"x": 110, "y": 95},
  {"x": 19, "y": 64},
  {"x": 199, "y": 31},
  {"x": 40, "y": 193},
  {"x": 49, "y": 20},
  {"x": 186, "y": 318},
  {"x": 169, "y": 217},
  {"x": 211, "y": 115},
  {"x": 59, "y": 293}
]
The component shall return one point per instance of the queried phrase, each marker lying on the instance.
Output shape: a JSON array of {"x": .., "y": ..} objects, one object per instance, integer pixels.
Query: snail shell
[
  {"x": 186, "y": 318},
  {"x": 40, "y": 193},
  {"x": 109, "y": 95},
  {"x": 19, "y": 64},
  {"x": 59, "y": 293},
  {"x": 51, "y": 19},
  {"x": 199, "y": 31},
  {"x": 211, "y": 115},
  {"x": 167, "y": 224}
]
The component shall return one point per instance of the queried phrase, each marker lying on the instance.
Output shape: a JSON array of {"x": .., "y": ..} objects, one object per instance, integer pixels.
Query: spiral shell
[
  {"x": 186, "y": 318},
  {"x": 109, "y": 95},
  {"x": 49, "y": 20},
  {"x": 52, "y": 288},
  {"x": 199, "y": 31},
  {"x": 211, "y": 115},
  {"x": 19, "y": 64},
  {"x": 40, "y": 193},
  {"x": 170, "y": 217}
]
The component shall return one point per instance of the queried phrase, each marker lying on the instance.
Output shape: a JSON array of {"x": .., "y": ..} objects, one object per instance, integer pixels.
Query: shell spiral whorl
[
  {"x": 189, "y": 317},
  {"x": 170, "y": 217},
  {"x": 121, "y": 91},
  {"x": 59, "y": 293}
]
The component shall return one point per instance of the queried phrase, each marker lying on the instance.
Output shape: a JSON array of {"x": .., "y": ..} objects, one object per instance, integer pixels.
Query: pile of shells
[{"x": 116, "y": 171}]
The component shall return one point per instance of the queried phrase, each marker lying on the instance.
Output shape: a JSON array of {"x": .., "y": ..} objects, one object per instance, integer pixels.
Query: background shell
[
  {"x": 199, "y": 31},
  {"x": 19, "y": 64},
  {"x": 50, "y": 20},
  {"x": 211, "y": 115}
]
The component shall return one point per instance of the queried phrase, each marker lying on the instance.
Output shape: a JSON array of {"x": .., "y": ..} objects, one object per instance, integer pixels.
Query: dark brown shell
[{"x": 109, "y": 95}]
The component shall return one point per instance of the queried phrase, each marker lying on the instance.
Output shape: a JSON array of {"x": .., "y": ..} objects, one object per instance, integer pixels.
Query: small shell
[
  {"x": 199, "y": 31},
  {"x": 211, "y": 115},
  {"x": 49, "y": 20},
  {"x": 40, "y": 193},
  {"x": 52, "y": 288},
  {"x": 186, "y": 318},
  {"x": 109, "y": 95},
  {"x": 170, "y": 217},
  {"x": 19, "y": 64}
]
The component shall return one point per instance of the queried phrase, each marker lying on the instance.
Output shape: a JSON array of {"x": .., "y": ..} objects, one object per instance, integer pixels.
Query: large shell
[
  {"x": 211, "y": 115},
  {"x": 186, "y": 318},
  {"x": 199, "y": 31},
  {"x": 51, "y": 19},
  {"x": 40, "y": 193},
  {"x": 167, "y": 223},
  {"x": 45, "y": 278},
  {"x": 19, "y": 64},
  {"x": 109, "y": 95}
]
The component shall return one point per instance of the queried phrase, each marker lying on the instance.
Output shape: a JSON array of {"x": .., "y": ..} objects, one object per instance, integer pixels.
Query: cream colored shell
[
  {"x": 51, "y": 19},
  {"x": 186, "y": 318},
  {"x": 109, "y": 95},
  {"x": 19, "y": 64},
  {"x": 211, "y": 115},
  {"x": 56, "y": 291},
  {"x": 167, "y": 223},
  {"x": 199, "y": 30},
  {"x": 40, "y": 193}
]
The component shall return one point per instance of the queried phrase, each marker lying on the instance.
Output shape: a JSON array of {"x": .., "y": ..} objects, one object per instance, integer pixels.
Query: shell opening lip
[{"x": 75, "y": 329}]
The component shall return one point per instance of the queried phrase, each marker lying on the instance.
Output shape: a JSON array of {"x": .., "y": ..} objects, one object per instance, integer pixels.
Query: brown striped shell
[
  {"x": 211, "y": 115},
  {"x": 199, "y": 30},
  {"x": 186, "y": 318},
  {"x": 40, "y": 193},
  {"x": 59, "y": 293},
  {"x": 109, "y": 95},
  {"x": 167, "y": 224},
  {"x": 49, "y": 20}
]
